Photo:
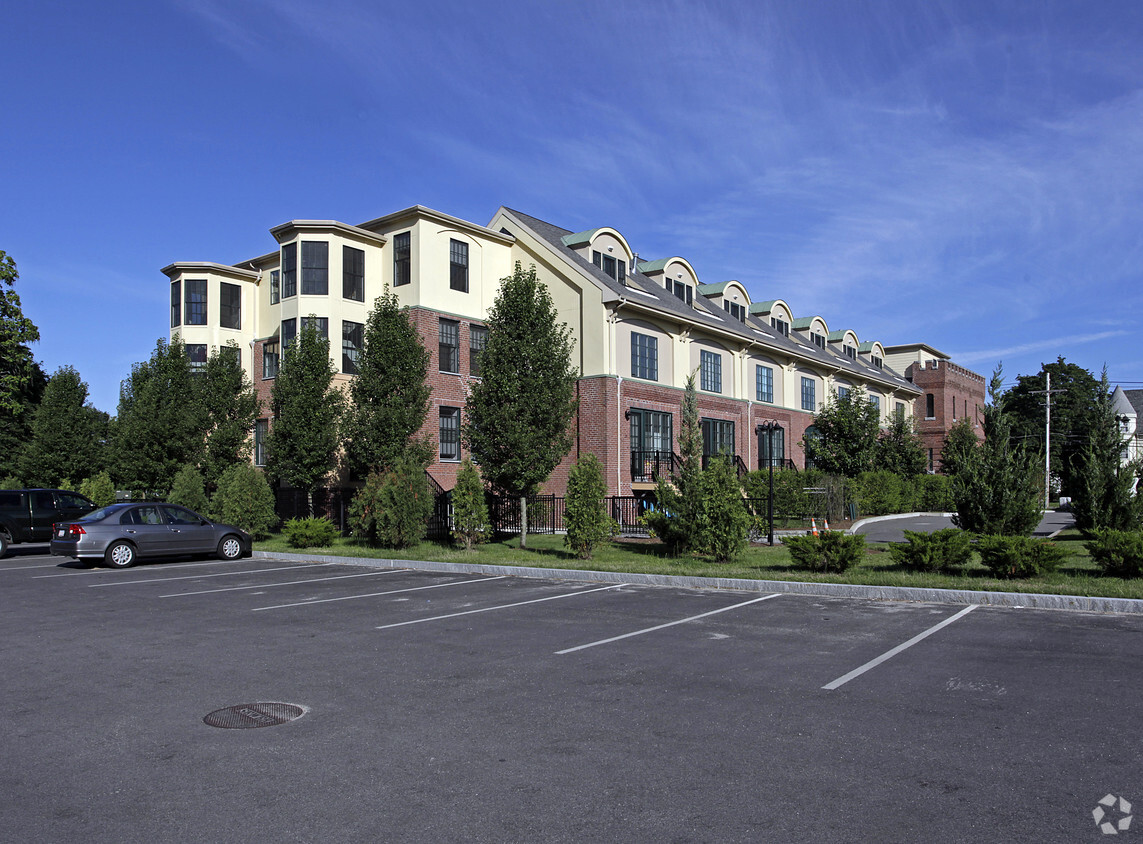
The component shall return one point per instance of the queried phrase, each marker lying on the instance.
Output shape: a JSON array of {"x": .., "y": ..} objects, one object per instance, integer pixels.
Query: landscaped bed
[{"x": 1078, "y": 575}]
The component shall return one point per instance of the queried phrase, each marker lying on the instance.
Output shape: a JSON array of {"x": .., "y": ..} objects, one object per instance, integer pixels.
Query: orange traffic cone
[
  {"x": 813, "y": 526},
  {"x": 825, "y": 522}
]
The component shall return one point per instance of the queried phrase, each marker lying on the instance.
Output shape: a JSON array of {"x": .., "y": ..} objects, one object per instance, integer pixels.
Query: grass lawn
[{"x": 1077, "y": 576}]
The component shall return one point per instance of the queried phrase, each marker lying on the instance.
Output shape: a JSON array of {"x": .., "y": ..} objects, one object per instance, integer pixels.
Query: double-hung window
[
  {"x": 458, "y": 265},
  {"x": 876, "y": 402},
  {"x": 289, "y": 332},
  {"x": 819, "y": 339},
  {"x": 194, "y": 311},
  {"x": 850, "y": 352},
  {"x": 710, "y": 371},
  {"x": 781, "y": 326},
  {"x": 809, "y": 394},
  {"x": 289, "y": 270},
  {"x": 196, "y": 354},
  {"x": 317, "y": 322},
  {"x": 644, "y": 356},
  {"x": 271, "y": 358},
  {"x": 353, "y": 273},
  {"x": 449, "y": 348},
  {"x": 261, "y": 428},
  {"x": 402, "y": 262},
  {"x": 477, "y": 340},
  {"x": 450, "y": 433},
  {"x": 842, "y": 393},
  {"x": 229, "y": 305},
  {"x": 734, "y": 309},
  {"x": 275, "y": 287},
  {"x": 176, "y": 304},
  {"x": 683, "y": 292},
  {"x": 315, "y": 268},
  {"x": 764, "y": 383},
  {"x": 352, "y": 341}
]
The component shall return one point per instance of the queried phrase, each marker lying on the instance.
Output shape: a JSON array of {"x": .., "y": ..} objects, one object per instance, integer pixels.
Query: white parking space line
[
  {"x": 668, "y": 624},
  {"x": 90, "y": 572},
  {"x": 873, "y": 663},
  {"x": 204, "y": 576},
  {"x": 379, "y": 594},
  {"x": 501, "y": 606},
  {"x": 25, "y": 568},
  {"x": 287, "y": 583}
]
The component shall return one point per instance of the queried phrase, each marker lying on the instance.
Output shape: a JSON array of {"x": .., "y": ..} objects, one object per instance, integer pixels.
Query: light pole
[{"x": 769, "y": 428}]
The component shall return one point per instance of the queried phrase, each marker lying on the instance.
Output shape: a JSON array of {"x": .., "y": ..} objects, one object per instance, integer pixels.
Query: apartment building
[{"x": 638, "y": 329}]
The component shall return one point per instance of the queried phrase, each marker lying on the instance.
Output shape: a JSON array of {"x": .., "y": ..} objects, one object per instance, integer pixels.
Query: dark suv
[{"x": 27, "y": 515}]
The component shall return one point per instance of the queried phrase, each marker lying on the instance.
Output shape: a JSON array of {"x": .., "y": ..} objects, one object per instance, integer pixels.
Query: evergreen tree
[
  {"x": 159, "y": 427},
  {"x": 189, "y": 490},
  {"x": 394, "y": 506},
  {"x": 586, "y": 516},
  {"x": 727, "y": 519},
  {"x": 847, "y": 428},
  {"x": 997, "y": 488},
  {"x": 680, "y": 517},
  {"x": 959, "y": 442},
  {"x": 230, "y": 406},
  {"x": 301, "y": 446},
  {"x": 469, "y": 509},
  {"x": 1105, "y": 488},
  {"x": 518, "y": 414},
  {"x": 390, "y": 398},
  {"x": 22, "y": 380},
  {"x": 899, "y": 449},
  {"x": 68, "y": 434}
]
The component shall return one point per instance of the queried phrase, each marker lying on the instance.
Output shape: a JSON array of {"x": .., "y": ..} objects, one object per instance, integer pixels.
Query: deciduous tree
[
  {"x": 22, "y": 380},
  {"x": 229, "y": 408},
  {"x": 68, "y": 434},
  {"x": 847, "y": 428}
]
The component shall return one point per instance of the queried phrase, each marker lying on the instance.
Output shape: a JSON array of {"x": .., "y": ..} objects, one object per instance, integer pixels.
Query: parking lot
[{"x": 450, "y": 707}]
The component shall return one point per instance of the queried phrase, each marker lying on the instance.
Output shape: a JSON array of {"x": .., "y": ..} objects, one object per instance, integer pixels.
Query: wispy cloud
[{"x": 1034, "y": 346}]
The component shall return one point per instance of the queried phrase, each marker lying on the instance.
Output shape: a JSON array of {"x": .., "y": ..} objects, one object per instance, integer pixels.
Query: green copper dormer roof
[
  {"x": 867, "y": 346},
  {"x": 713, "y": 289},
  {"x": 803, "y": 323},
  {"x": 763, "y": 308},
  {"x": 575, "y": 241},
  {"x": 834, "y": 336},
  {"x": 649, "y": 267}
]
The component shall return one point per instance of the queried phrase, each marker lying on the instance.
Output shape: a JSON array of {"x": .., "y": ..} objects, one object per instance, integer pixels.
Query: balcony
[{"x": 649, "y": 466}]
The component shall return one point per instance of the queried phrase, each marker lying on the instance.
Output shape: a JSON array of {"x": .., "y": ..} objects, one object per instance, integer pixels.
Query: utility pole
[{"x": 1047, "y": 393}]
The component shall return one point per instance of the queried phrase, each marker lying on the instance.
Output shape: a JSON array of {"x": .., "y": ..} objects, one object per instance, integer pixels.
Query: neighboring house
[
  {"x": 1128, "y": 407},
  {"x": 638, "y": 328},
  {"x": 949, "y": 393}
]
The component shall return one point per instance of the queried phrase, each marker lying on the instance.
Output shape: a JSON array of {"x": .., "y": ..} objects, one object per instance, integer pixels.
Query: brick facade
[{"x": 955, "y": 393}]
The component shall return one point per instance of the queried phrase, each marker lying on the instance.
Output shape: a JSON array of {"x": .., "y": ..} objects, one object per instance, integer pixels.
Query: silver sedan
[{"x": 122, "y": 534}]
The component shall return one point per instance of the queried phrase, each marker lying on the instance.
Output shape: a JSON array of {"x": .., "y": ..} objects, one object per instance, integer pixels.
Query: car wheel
[
  {"x": 230, "y": 548},
  {"x": 3, "y": 543},
  {"x": 120, "y": 555}
]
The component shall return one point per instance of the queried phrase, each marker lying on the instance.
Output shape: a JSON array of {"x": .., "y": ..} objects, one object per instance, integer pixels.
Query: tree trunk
[{"x": 523, "y": 521}]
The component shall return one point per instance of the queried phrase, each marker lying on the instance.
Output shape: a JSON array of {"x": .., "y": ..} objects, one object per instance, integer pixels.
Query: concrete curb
[{"x": 827, "y": 590}]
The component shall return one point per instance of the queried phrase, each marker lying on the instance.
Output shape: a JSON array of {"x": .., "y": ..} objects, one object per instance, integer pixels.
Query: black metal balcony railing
[
  {"x": 779, "y": 463},
  {"x": 649, "y": 466},
  {"x": 736, "y": 461}
]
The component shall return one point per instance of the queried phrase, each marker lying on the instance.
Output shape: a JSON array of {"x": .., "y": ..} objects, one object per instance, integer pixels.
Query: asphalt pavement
[
  {"x": 444, "y": 707},
  {"x": 892, "y": 528}
]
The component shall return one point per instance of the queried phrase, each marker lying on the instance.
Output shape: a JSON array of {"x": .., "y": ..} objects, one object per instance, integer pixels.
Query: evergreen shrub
[
  {"x": 933, "y": 494},
  {"x": 586, "y": 517},
  {"x": 879, "y": 493},
  {"x": 948, "y": 551},
  {"x": 833, "y": 550},
  {"x": 244, "y": 499},
  {"x": 727, "y": 520},
  {"x": 393, "y": 508},
  {"x": 470, "y": 523},
  {"x": 1014, "y": 557},
  {"x": 189, "y": 490},
  {"x": 1118, "y": 553},
  {"x": 310, "y": 533}
]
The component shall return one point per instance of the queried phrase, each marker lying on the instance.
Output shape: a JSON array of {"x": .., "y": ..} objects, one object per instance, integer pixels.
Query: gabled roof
[{"x": 656, "y": 299}]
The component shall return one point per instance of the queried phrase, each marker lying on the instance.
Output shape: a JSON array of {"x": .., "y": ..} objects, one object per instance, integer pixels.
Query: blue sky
[{"x": 964, "y": 174}]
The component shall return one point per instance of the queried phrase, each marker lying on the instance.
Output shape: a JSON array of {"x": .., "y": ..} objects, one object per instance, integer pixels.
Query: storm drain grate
[{"x": 247, "y": 716}]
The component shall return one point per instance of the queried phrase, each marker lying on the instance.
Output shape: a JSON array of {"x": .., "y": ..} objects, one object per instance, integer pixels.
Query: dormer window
[
  {"x": 682, "y": 291},
  {"x": 850, "y": 352},
  {"x": 878, "y": 362},
  {"x": 781, "y": 326},
  {"x": 818, "y": 339},
  {"x": 610, "y": 266},
  {"x": 735, "y": 310}
]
